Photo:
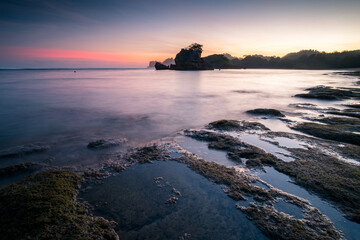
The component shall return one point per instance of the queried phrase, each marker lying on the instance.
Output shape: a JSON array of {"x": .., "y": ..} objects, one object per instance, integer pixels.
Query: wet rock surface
[
  {"x": 234, "y": 125},
  {"x": 313, "y": 169},
  {"x": 266, "y": 112},
  {"x": 330, "y": 93},
  {"x": 332, "y": 132},
  {"x": 347, "y": 112}
]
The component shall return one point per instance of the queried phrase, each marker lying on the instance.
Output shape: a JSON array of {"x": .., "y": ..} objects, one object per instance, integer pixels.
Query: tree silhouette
[{"x": 195, "y": 47}]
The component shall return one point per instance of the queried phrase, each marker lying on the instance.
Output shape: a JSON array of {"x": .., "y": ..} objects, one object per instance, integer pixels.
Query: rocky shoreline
[{"x": 325, "y": 161}]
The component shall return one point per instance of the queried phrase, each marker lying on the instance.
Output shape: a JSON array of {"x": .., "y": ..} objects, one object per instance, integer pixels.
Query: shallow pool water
[
  {"x": 281, "y": 181},
  {"x": 137, "y": 203}
]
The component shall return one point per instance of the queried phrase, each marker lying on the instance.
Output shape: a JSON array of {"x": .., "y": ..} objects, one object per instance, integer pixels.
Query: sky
[{"x": 116, "y": 33}]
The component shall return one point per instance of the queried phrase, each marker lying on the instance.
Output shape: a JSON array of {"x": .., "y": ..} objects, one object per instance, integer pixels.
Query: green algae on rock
[{"x": 43, "y": 206}]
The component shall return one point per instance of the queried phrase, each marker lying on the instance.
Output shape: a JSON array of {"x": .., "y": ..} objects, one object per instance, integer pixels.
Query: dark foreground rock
[
  {"x": 330, "y": 93},
  {"x": 43, "y": 206},
  {"x": 266, "y": 111},
  {"x": 19, "y": 151}
]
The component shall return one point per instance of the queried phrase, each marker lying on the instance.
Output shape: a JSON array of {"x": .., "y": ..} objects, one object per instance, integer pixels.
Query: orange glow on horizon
[{"x": 64, "y": 54}]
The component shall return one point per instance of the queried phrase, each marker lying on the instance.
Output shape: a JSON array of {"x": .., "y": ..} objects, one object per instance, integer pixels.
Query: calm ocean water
[{"x": 67, "y": 109}]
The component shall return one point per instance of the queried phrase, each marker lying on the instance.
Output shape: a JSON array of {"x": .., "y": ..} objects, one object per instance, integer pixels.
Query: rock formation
[
  {"x": 188, "y": 59},
  {"x": 166, "y": 62},
  {"x": 160, "y": 66}
]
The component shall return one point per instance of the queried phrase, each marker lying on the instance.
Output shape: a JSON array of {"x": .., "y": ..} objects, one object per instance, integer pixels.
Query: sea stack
[{"x": 188, "y": 59}]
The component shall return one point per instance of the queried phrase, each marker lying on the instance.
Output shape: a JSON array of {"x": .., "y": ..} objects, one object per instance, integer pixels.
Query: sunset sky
[{"x": 113, "y": 33}]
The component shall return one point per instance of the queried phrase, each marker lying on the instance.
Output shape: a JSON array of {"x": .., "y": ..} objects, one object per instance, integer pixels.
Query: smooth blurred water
[
  {"x": 137, "y": 204},
  {"x": 67, "y": 110}
]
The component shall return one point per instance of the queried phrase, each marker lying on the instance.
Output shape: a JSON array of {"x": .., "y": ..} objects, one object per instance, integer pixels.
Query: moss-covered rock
[
  {"x": 43, "y": 206},
  {"x": 234, "y": 125},
  {"x": 330, "y": 178},
  {"x": 324, "y": 174},
  {"x": 331, "y": 132},
  {"x": 146, "y": 154}
]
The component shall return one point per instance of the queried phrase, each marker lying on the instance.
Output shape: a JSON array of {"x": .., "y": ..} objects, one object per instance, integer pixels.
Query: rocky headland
[{"x": 187, "y": 59}]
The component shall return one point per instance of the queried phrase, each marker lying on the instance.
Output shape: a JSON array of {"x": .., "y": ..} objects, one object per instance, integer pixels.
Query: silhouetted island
[{"x": 187, "y": 59}]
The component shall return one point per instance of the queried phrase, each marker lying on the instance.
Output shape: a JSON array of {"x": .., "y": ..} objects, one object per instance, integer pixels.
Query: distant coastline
[{"x": 304, "y": 59}]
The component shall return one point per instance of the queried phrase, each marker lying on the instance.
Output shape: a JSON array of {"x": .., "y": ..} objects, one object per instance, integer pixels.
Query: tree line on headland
[{"x": 305, "y": 59}]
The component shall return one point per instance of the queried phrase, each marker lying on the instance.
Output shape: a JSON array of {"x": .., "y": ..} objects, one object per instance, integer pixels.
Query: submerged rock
[
  {"x": 43, "y": 206},
  {"x": 173, "y": 190},
  {"x": 102, "y": 143},
  {"x": 19, "y": 151},
  {"x": 266, "y": 111},
  {"x": 22, "y": 167},
  {"x": 330, "y": 93},
  {"x": 172, "y": 200}
]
